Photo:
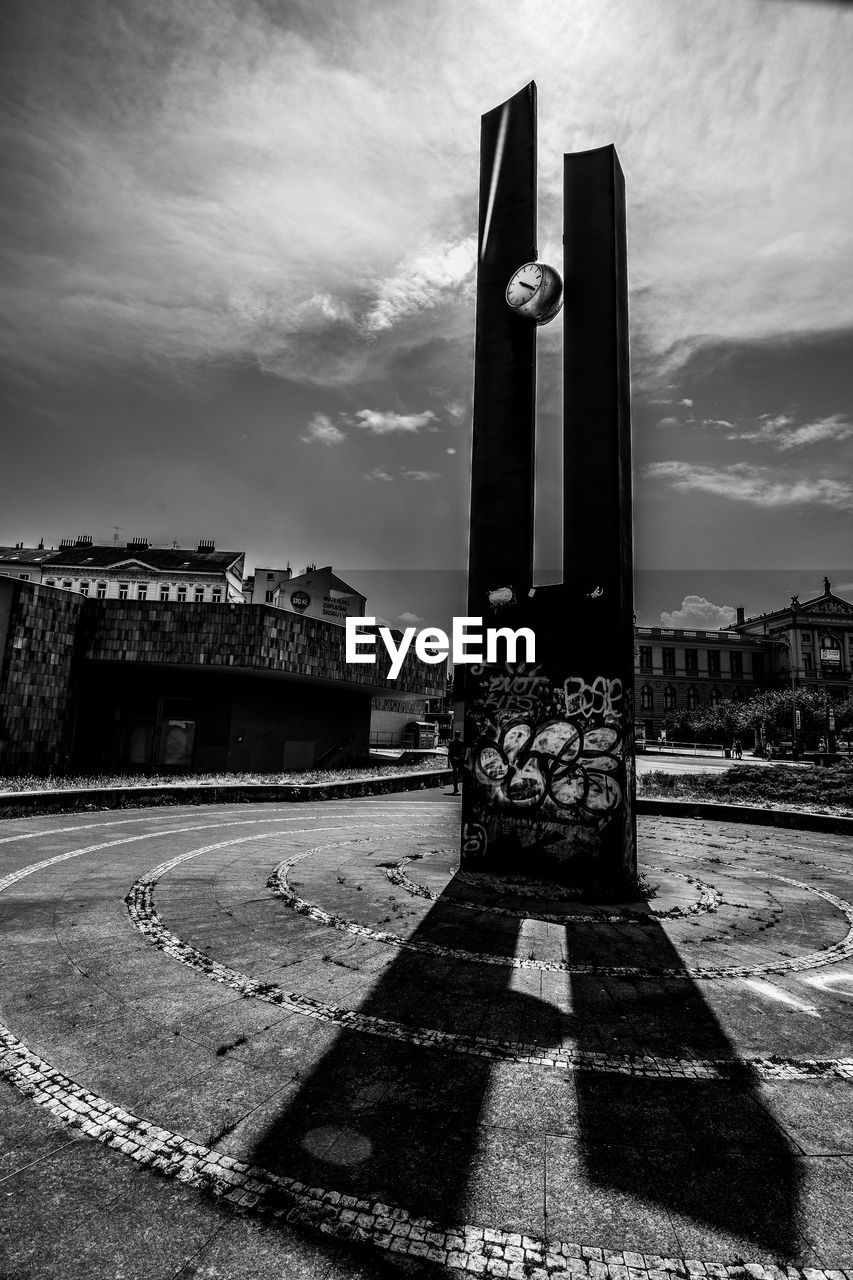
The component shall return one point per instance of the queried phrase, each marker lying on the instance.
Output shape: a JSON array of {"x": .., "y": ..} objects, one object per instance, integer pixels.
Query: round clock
[{"x": 535, "y": 291}]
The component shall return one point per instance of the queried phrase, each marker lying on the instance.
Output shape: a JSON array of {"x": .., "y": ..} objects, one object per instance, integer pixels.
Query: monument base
[{"x": 549, "y": 782}]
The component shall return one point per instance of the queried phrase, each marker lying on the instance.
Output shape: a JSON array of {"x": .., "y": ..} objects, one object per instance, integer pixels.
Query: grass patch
[
  {"x": 29, "y": 782},
  {"x": 783, "y": 785}
]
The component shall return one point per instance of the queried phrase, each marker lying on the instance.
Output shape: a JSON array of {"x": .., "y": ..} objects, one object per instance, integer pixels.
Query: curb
[
  {"x": 798, "y": 819},
  {"x": 18, "y": 804}
]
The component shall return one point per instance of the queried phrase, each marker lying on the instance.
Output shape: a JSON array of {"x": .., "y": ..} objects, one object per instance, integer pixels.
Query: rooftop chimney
[
  {"x": 84, "y": 540},
  {"x": 741, "y": 619},
  {"x": 206, "y": 544},
  {"x": 137, "y": 544},
  {"x": 66, "y": 542}
]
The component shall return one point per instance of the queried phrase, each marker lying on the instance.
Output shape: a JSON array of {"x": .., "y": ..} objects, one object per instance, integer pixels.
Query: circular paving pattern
[
  {"x": 312, "y": 1016},
  {"x": 537, "y": 892}
]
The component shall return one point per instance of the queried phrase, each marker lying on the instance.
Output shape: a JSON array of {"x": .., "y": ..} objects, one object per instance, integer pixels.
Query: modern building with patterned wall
[
  {"x": 39, "y": 644},
  {"x": 149, "y": 685}
]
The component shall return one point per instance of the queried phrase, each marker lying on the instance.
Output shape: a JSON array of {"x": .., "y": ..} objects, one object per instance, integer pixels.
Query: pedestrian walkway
[{"x": 295, "y": 1040}]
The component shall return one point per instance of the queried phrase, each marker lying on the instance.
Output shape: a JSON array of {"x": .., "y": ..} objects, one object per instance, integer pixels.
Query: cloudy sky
[{"x": 238, "y": 272}]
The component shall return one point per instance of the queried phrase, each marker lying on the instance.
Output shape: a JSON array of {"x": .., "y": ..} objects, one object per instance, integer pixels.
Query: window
[
  {"x": 646, "y": 657},
  {"x": 182, "y": 592},
  {"x": 270, "y": 577},
  {"x": 84, "y": 588},
  {"x": 692, "y": 698},
  {"x": 25, "y": 577},
  {"x": 67, "y": 584},
  {"x": 807, "y": 662},
  {"x": 50, "y": 582},
  {"x": 142, "y": 591},
  {"x": 715, "y": 697},
  {"x": 164, "y": 591},
  {"x": 691, "y": 661},
  {"x": 101, "y": 591},
  {"x": 713, "y": 662},
  {"x": 268, "y": 595},
  {"x": 830, "y": 655},
  {"x": 123, "y": 588},
  {"x": 199, "y": 594},
  {"x": 758, "y": 666},
  {"x": 736, "y": 665},
  {"x": 668, "y": 658},
  {"x": 669, "y": 698},
  {"x": 805, "y": 638},
  {"x": 646, "y": 698},
  {"x": 216, "y": 595}
]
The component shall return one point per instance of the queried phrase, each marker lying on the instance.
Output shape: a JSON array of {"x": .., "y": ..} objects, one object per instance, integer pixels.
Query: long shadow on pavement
[
  {"x": 706, "y": 1150},
  {"x": 404, "y": 1124}
]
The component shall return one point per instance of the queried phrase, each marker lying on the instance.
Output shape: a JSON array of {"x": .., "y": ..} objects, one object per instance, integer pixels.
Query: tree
[
  {"x": 713, "y": 722},
  {"x": 775, "y": 711},
  {"x": 770, "y": 713}
]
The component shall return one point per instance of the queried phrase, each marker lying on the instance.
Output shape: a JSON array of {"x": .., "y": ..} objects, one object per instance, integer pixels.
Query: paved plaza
[{"x": 295, "y": 1041}]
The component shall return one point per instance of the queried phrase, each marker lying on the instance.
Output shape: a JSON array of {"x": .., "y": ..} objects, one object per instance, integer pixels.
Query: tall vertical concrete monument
[{"x": 549, "y": 787}]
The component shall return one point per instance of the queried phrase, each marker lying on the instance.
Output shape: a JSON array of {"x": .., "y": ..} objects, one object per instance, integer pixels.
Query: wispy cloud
[
  {"x": 383, "y": 424},
  {"x": 321, "y": 430},
  {"x": 761, "y": 486},
  {"x": 698, "y": 614},
  {"x": 421, "y": 282},
  {"x": 783, "y": 433},
  {"x": 401, "y": 473},
  {"x": 781, "y": 430}
]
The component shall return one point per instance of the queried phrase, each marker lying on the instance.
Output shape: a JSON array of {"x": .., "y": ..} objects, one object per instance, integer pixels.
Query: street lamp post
[{"x": 795, "y": 754}]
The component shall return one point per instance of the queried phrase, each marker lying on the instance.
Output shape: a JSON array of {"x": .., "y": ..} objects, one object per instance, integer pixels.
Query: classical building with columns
[{"x": 808, "y": 644}]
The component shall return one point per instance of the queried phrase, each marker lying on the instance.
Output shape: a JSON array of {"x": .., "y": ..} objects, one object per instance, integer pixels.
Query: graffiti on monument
[
  {"x": 474, "y": 840},
  {"x": 547, "y": 758}
]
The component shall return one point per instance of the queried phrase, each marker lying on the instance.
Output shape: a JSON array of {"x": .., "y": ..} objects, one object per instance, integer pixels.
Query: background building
[
  {"x": 97, "y": 685},
  {"x": 23, "y": 562},
  {"x": 808, "y": 645},
  {"x": 138, "y": 571},
  {"x": 315, "y": 593},
  {"x": 678, "y": 670}
]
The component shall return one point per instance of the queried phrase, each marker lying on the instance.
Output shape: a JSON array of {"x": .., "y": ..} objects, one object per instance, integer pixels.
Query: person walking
[{"x": 456, "y": 760}]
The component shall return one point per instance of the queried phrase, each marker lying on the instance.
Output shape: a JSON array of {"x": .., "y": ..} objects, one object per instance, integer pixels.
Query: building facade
[
  {"x": 138, "y": 571},
  {"x": 23, "y": 562},
  {"x": 804, "y": 645},
  {"x": 682, "y": 670},
  {"x": 811, "y": 643},
  {"x": 315, "y": 593}
]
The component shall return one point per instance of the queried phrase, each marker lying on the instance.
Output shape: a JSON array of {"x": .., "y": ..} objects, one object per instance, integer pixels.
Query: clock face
[
  {"x": 525, "y": 283},
  {"x": 535, "y": 291}
]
